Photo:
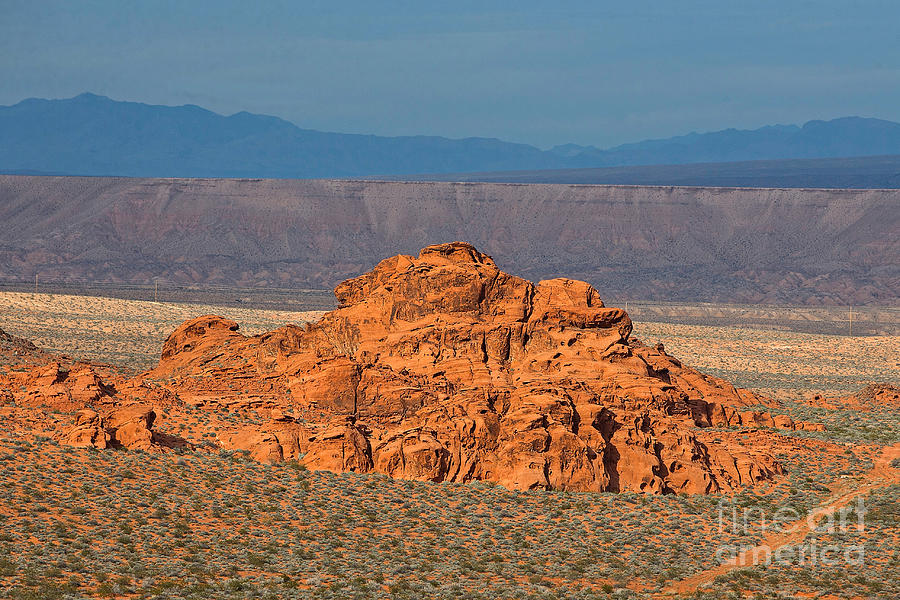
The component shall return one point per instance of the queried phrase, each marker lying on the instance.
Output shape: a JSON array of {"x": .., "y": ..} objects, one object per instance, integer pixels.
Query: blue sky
[{"x": 544, "y": 73}]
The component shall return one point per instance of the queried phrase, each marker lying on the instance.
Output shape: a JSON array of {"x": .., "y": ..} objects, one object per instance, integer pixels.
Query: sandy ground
[
  {"x": 776, "y": 361},
  {"x": 249, "y": 524},
  {"x": 127, "y": 332}
]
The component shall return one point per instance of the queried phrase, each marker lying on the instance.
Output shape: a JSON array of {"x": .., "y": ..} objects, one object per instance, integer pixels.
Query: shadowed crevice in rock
[{"x": 170, "y": 440}]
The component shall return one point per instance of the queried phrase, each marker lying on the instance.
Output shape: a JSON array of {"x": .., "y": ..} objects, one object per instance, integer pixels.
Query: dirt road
[{"x": 881, "y": 475}]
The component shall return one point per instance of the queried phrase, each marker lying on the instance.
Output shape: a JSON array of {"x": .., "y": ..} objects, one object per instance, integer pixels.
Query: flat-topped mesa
[{"x": 442, "y": 367}]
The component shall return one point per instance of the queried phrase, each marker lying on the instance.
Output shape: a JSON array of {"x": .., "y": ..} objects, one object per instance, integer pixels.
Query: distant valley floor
[{"x": 866, "y": 172}]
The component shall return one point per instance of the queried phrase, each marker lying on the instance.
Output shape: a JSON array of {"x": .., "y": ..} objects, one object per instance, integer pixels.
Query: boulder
[
  {"x": 120, "y": 427},
  {"x": 279, "y": 439},
  {"x": 88, "y": 431},
  {"x": 130, "y": 427}
]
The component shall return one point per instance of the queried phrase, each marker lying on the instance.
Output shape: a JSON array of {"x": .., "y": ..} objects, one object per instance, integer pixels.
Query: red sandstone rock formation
[
  {"x": 64, "y": 388},
  {"x": 277, "y": 440},
  {"x": 89, "y": 431},
  {"x": 110, "y": 411},
  {"x": 871, "y": 396},
  {"x": 441, "y": 367},
  {"x": 126, "y": 427}
]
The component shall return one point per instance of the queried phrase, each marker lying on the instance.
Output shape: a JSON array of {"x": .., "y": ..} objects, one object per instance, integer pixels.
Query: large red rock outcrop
[
  {"x": 442, "y": 367},
  {"x": 122, "y": 427}
]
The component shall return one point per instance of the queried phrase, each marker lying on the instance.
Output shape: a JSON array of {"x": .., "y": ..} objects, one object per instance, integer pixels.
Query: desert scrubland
[{"x": 199, "y": 519}]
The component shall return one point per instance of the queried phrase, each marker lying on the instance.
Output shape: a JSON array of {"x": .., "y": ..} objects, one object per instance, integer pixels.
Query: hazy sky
[{"x": 544, "y": 73}]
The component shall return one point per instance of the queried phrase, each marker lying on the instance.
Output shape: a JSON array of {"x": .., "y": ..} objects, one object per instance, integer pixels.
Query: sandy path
[{"x": 881, "y": 475}]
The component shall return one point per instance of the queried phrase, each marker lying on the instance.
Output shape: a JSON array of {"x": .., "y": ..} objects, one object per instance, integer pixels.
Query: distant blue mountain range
[
  {"x": 839, "y": 138},
  {"x": 95, "y": 135}
]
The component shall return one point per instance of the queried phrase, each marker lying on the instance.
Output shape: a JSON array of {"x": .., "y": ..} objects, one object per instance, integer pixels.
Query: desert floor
[
  {"x": 209, "y": 524},
  {"x": 129, "y": 333}
]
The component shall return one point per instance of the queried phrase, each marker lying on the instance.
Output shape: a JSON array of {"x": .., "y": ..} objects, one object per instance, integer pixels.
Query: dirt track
[{"x": 881, "y": 475}]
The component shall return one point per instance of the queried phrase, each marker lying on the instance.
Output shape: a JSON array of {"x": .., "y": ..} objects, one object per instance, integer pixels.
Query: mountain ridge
[
  {"x": 94, "y": 135},
  {"x": 773, "y": 246},
  {"x": 836, "y": 138}
]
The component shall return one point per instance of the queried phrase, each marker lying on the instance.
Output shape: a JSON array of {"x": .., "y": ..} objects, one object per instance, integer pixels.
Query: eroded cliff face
[
  {"x": 792, "y": 246},
  {"x": 442, "y": 367}
]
